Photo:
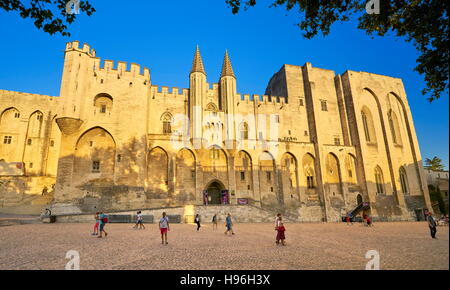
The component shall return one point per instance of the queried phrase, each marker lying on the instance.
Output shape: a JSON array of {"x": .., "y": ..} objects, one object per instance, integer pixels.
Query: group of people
[
  {"x": 367, "y": 220},
  {"x": 228, "y": 223},
  {"x": 101, "y": 220}
]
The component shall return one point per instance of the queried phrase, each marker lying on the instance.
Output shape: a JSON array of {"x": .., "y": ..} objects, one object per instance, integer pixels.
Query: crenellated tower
[
  {"x": 227, "y": 94},
  {"x": 197, "y": 89}
]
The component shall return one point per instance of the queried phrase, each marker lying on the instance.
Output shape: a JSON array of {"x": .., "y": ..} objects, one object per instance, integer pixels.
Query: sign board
[{"x": 242, "y": 200}]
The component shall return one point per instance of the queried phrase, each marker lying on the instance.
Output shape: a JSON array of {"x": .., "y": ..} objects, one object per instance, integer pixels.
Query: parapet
[
  {"x": 75, "y": 45},
  {"x": 109, "y": 65},
  {"x": 166, "y": 92}
]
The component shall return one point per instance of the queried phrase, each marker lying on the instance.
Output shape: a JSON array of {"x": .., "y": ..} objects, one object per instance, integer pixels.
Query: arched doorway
[
  {"x": 359, "y": 199},
  {"x": 214, "y": 190}
]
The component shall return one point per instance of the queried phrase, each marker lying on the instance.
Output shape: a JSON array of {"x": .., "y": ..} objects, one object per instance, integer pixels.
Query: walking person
[
  {"x": 103, "y": 221},
  {"x": 432, "y": 225},
  {"x": 197, "y": 221},
  {"x": 280, "y": 233},
  {"x": 97, "y": 223},
  {"x": 139, "y": 221},
  {"x": 229, "y": 224},
  {"x": 214, "y": 222},
  {"x": 369, "y": 221},
  {"x": 277, "y": 224},
  {"x": 164, "y": 228}
]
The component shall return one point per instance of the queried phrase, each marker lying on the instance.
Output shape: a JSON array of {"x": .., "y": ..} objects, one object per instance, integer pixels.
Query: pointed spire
[
  {"x": 197, "y": 64},
  {"x": 227, "y": 69}
]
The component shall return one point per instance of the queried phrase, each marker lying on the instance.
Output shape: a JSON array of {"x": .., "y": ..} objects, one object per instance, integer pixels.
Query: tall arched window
[
  {"x": 379, "y": 180},
  {"x": 366, "y": 126},
  {"x": 404, "y": 181},
  {"x": 166, "y": 119},
  {"x": 394, "y": 127},
  {"x": 244, "y": 131}
]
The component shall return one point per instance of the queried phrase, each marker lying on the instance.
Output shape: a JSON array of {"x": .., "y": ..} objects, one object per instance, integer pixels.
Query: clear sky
[{"x": 162, "y": 35}]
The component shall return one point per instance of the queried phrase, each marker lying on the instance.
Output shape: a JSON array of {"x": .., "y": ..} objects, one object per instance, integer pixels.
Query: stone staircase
[{"x": 239, "y": 213}]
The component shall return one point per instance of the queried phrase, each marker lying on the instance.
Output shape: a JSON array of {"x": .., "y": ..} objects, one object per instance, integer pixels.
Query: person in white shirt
[
  {"x": 164, "y": 228},
  {"x": 139, "y": 221}
]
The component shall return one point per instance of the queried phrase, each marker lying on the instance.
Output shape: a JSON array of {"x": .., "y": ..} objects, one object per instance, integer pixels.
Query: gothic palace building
[{"x": 316, "y": 145}]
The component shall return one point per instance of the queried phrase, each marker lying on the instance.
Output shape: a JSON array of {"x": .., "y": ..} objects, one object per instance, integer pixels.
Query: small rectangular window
[
  {"x": 337, "y": 141},
  {"x": 52, "y": 143},
  {"x": 323, "y": 105},
  {"x": 91, "y": 143},
  {"x": 301, "y": 102},
  {"x": 16, "y": 115},
  {"x": 277, "y": 118},
  {"x": 306, "y": 133},
  {"x": 248, "y": 187},
  {"x": 350, "y": 173},
  {"x": 95, "y": 166},
  {"x": 242, "y": 175},
  {"x": 31, "y": 165},
  {"x": 268, "y": 175},
  {"x": 103, "y": 109},
  {"x": 7, "y": 140},
  {"x": 119, "y": 157},
  {"x": 29, "y": 141}
]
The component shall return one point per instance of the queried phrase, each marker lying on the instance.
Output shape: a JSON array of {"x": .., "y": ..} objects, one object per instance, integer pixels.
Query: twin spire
[{"x": 197, "y": 64}]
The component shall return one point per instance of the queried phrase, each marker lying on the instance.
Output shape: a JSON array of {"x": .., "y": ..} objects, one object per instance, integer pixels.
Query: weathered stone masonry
[{"x": 315, "y": 146}]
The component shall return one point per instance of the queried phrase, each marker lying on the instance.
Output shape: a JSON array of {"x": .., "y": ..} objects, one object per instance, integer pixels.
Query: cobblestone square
[{"x": 402, "y": 245}]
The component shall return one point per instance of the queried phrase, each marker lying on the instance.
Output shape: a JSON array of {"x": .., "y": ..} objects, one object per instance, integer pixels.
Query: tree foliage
[
  {"x": 422, "y": 22},
  {"x": 434, "y": 164},
  {"x": 49, "y": 15}
]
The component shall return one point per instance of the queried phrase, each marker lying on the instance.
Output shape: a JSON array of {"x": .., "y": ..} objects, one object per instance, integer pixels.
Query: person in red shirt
[{"x": 280, "y": 236}]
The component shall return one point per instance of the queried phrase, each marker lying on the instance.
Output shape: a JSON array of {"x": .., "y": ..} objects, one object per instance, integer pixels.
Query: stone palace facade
[{"x": 316, "y": 145}]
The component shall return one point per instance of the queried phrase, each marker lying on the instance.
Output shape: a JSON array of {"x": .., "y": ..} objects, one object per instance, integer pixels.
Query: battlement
[
  {"x": 109, "y": 66},
  {"x": 27, "y": 95},
  {"x": 166, "y": 92},
  {"x": 262, "y": 99},
  {"x": 75, "y": 45}
]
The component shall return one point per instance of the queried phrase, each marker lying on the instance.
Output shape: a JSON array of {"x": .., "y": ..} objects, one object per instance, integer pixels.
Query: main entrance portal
[{"x": 215, "y": 192}]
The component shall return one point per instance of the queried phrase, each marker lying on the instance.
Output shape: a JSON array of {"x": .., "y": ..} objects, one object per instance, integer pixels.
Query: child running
[
  {"x": 280, "y": 236},
  {"x": 164, "y": 227}
]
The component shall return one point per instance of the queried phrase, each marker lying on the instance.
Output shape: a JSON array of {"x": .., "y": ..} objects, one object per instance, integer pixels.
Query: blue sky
[{"x": 162, "y": 35}]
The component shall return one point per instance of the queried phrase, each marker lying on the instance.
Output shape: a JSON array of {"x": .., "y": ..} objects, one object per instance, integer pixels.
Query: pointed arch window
[
  {"x": 167, "y": 123},
  {"x": 394, "y": 127},
  {"x": 366, "y": 126},
  {"x": 404, "y": 181},
  {"x": 244, "y": 131},
  {"x": 379, "y": 180}
]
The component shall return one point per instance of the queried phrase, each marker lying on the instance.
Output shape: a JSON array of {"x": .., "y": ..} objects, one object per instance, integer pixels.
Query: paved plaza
[{"x": 402, "y": 245}]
